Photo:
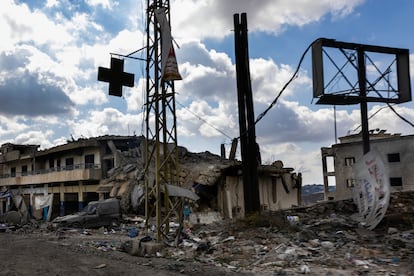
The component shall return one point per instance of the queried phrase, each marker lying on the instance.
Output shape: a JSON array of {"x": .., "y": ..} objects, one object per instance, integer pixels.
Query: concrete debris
[
  {"x": 126, "y": 180},
  {"x": 13, "y": 218},
  {"x": 100, "y": 266},
  {"x": 204, "y": 217},
  {"x": 176, "y": 191},
  {"x": 325, "y": 239},
  {"x": 215, "y": 183}
]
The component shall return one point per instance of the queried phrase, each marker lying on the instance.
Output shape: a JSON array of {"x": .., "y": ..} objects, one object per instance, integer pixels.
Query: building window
[
  {"x": 349, "y": 161},
  {"x": 24, "y": 170},
  {"x": 13, "y": 172},
  {"x": 89, "y": 161},
  {"x": 396, "y": 181},
  {"x": 393, "y": 157},
  {"x": 69, "y": 163},
  {"x": 350, "y": 183}
]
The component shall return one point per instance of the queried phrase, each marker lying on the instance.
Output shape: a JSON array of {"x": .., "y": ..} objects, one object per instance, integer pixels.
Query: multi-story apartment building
[
  {"x": 90, "y": 169},
  {"x": 71, "y": 172},
  {"x": 397, "y": 153}
]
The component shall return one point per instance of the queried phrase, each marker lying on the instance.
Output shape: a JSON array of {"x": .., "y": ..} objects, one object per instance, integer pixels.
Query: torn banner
[
  {"x": 169, "y": 67},
  {"x": 44, "y": 201},
  {"x": 371, "y": 192}
]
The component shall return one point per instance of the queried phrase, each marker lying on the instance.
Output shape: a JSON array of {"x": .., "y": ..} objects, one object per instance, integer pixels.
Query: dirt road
[{"x": 44, "y": 254}]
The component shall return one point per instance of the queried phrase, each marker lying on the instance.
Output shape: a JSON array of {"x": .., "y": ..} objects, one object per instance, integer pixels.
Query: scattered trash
[
  {"x": 327, "y": 244},
  {"x": 304, "y": 269},
  {"x": 361, "y": 263},
  {"x": 145, "y": 239},
  {"x": 293, "y": 219},
  {"x": 133, "y": 232},
  {"x": 231, "y": 238},
  {"x": 3, "y": 227},
  {"x": 100, "y": 266},
  {"x": 320, "y": 243},
  {"x": 392, "y": 230}
]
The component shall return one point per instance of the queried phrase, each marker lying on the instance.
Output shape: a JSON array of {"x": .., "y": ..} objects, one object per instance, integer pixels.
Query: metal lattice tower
[{"x": 161, "y": 131}]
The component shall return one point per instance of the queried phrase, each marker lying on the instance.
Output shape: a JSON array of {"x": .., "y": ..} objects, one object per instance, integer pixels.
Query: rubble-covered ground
[{"x": 322, "y": 239}]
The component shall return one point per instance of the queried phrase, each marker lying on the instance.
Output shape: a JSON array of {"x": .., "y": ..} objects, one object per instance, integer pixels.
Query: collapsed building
[{"x": 90, "y": 169}]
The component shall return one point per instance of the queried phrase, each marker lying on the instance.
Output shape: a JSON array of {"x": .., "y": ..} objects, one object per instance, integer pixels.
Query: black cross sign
[{"x": 116, "y": 77}]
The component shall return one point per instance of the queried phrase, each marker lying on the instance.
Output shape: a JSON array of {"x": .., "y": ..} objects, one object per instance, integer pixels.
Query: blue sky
[{"x": 50, "y": 52}]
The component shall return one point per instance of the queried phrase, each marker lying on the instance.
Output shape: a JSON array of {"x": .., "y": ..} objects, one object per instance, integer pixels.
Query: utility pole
[
  {"x": 161, "y": 157},
  {"x": 161, "y": 148},
  {"x": 249, "y": 147}
]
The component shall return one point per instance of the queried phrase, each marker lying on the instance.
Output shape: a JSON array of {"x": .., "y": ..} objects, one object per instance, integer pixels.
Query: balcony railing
[{"x": 57, "y": 174}]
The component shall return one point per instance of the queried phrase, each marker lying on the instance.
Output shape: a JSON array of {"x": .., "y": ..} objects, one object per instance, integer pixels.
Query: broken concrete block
[
  {"x": 13, "y": 218},
  {"x": 204, "y": 217},
  {"x": 139, "y": 248},
  {"x": 151, "y": 248}
]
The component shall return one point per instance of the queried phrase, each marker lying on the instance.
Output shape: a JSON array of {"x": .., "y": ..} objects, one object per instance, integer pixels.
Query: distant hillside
[
  {"x": 315, "y": 188},
  {"x": 314, "y": 193}
]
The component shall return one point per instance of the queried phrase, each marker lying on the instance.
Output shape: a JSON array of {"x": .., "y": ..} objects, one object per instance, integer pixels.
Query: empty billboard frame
[{"x": 348, "y": 73}]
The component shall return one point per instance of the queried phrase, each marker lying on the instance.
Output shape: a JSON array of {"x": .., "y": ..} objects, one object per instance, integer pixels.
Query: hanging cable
[
  {"x": 273, "y": 103},
  {"x": 399, "y": 115},
  {"x": 286, "y": 84},
  {"x": 371, "y": 116},
  {"x": 393, "y": 110},
  {"x": 201, "y": 119}
]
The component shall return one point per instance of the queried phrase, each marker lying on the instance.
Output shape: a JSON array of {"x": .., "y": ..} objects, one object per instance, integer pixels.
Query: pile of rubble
[
  {"x": 322, "y": 239},
  {"x": 126, "y": 181},
  {"x": 319, "y": 239}
]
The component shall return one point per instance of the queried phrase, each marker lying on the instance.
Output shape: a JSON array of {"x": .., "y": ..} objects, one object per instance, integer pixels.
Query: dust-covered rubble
[{"x": 322, "y": 239}]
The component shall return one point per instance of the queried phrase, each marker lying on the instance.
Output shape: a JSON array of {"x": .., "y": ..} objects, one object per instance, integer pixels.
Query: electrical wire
[
  {"x": 400, "y": 116},
  {"x": 371, "y": 116},
  {"x": 272, "y": 104},
  {"x": 390, "y": 106},
  {"x": 201, "y": 119}
]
